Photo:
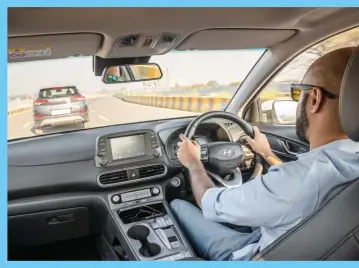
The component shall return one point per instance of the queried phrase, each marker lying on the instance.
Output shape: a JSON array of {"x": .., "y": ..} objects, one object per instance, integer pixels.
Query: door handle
[
  {"x": 61, "y": 219},
  {"x": 286, "y": 150}
]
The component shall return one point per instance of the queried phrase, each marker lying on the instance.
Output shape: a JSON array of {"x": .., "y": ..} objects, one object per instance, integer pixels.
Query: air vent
[
  {"x": 129, "y": 41},
  {"x": 167, "y": 39},
  {"x": 113, "y": 177},
  {"x": 150, "y": 171}
]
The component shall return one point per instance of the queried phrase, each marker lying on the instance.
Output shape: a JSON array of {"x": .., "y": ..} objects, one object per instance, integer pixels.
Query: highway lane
[{"x": 103, "y": 111}]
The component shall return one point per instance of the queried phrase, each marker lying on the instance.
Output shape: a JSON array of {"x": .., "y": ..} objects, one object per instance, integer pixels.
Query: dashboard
[
  {"x": 108, "y": 157},
  {"x": 102, "y": 182}
]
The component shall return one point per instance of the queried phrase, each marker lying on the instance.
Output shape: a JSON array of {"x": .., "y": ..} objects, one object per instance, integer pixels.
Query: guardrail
[
  {"x": 19, "y": 110},
  {"x": 186, "y": 103}
]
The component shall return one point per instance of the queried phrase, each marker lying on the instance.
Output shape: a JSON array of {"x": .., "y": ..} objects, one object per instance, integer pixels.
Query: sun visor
[
  {"x": 226, "y": 39},
  {"x": 44, "y": 47}
]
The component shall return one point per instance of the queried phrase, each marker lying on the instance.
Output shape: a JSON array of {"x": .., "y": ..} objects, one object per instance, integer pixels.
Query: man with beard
[{"x": 289, "y": 192}]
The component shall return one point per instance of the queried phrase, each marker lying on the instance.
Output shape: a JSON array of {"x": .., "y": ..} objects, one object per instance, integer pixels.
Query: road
[{"x": 103, "y": 111}]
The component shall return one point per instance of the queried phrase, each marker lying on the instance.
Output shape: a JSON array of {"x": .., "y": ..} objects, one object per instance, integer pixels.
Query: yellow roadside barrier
[
  {"x": 18, "y": 110},
  {"x": 185, "y": 103},
  {"x": 192, "y": 103}
]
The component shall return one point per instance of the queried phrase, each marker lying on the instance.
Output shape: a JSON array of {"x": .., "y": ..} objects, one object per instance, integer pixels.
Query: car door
[{"x": 276, "y": 112}]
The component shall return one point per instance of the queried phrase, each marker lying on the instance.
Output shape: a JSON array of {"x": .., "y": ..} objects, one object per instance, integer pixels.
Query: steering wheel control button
[
  {"x": 155, "y": 191},
  {"x": 204, "y": 153},
  {"x": 133, "y": 174},
  {"x": 157, "y": 154},
  {"x": 175, "y": 182},
  {"x": 116, "y": 199},
  {"x": 103, "y": 161}
]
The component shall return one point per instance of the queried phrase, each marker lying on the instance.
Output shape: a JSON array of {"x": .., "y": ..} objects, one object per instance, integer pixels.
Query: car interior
[{"x": 71, "y": 198}]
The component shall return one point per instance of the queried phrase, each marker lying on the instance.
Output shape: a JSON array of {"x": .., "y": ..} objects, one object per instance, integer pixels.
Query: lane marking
[
  {"x": 103, "y": 118},
  {"x": 25, "y": 125},
  {"x": 92, "y": 110}
]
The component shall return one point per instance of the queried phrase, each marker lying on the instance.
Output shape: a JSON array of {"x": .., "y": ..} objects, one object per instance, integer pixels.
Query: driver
[
  {"x": 114, "y": 74},
  {"x": 289, "y": 192}
]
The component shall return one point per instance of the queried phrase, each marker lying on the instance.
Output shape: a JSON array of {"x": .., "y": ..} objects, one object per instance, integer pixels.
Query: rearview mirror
[{"x": 131, "y": 73}]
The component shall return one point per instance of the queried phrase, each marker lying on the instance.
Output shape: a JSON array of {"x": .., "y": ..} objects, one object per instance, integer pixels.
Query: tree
[
  {"x": 234, "y": 84},
  {"x": 213, "y": 84}
]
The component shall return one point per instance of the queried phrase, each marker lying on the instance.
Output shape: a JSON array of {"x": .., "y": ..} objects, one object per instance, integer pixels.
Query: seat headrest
[{"x": 349, "y": 98}]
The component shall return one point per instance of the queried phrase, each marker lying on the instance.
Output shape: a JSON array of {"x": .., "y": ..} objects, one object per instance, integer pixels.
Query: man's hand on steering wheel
[
  {"x": 189, "y": 152},
  {"x": 261, "y": 146},
  {"x": 260, "y": 143}
]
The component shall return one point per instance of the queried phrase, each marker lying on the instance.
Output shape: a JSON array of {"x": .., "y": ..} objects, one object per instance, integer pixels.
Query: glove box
[{"x": 49, "y": 226}]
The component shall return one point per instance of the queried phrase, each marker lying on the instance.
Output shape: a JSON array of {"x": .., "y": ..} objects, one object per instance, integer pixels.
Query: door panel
[{"x": 283, "y": 141}]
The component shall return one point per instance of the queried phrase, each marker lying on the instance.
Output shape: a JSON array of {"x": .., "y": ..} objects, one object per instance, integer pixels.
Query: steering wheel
[{"x": 222, "y": 159}]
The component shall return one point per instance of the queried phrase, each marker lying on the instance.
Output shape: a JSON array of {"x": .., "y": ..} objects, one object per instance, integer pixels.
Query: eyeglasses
[{"x": 295, "y": 90}]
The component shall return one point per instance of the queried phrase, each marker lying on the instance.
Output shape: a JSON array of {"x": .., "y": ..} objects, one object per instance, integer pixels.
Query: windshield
[
  {"x": 57, "y": 92},
  {"x": 41, "y": 102}
]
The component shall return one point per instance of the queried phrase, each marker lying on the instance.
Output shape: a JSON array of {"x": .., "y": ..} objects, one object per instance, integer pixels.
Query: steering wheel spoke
[{"x": 235, "y": 181}]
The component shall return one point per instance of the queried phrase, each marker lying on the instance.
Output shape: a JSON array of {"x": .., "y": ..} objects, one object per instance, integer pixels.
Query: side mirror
[
  {"x": 279, "y": 111},
  {"x": 284, "y": 111},
  {"x": 131, "y": 73}
]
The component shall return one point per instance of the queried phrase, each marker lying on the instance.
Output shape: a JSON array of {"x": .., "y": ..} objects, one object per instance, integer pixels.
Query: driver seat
[{"x": 331, "y": 232}]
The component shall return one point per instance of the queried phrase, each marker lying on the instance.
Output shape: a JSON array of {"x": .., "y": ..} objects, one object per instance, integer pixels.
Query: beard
[{"x": 302, "y": 122}]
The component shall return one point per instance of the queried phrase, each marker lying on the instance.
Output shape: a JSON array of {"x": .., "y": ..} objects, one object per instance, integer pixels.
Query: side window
[{"x": 276, "y": 104}]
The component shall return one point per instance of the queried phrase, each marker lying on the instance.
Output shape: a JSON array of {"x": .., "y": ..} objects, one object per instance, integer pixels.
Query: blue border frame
[{"x": 133, "y": 3}]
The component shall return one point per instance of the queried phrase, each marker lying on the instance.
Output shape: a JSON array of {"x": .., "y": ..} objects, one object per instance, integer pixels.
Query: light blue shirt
[{"x": 287, "y": 194}]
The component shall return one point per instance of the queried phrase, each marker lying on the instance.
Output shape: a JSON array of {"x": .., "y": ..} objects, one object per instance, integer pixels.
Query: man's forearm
[
  {"x": 200, "y": 181},
  {"x": 272, "y": 159}
]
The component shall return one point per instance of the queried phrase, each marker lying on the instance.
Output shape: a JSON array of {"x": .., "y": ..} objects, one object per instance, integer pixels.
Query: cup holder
[{"x": 141, "y": 233}]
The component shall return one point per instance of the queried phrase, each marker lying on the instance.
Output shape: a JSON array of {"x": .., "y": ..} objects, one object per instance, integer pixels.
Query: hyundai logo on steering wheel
[{"x": 227, "y": 152}]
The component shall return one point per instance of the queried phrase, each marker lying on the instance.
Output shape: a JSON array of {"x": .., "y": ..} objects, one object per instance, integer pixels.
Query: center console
[{"x": 147, "y": 224}]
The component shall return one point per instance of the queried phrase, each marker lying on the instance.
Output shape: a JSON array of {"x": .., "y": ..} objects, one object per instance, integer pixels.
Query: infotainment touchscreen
[{"x": 127, "y": 147}]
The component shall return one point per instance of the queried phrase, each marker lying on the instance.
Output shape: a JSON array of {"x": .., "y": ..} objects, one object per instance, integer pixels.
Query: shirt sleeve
[{"x": 263, "y": 201}]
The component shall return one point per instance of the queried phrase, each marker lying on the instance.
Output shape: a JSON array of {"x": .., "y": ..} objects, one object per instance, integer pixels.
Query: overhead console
[{"x": 143, "y": 44}]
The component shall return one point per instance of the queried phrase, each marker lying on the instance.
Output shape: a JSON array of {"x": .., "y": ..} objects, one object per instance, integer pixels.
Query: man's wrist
[
  {"x": 272, "y": 159},
  {"x": 268, "y": 154},
  {"x": 195, "y": 165}
]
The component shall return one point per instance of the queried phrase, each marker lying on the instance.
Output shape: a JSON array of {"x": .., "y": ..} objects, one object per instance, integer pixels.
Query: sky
[{"x": 184, "y": 68}]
